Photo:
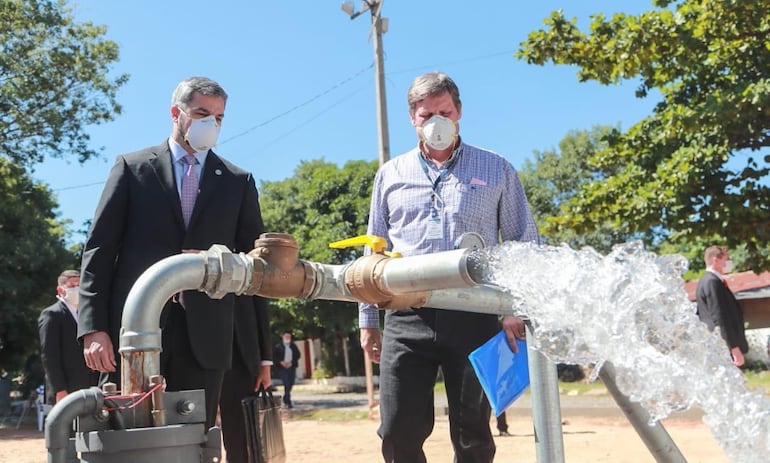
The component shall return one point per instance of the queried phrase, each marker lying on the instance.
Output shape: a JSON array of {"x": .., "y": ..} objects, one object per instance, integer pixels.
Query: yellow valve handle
[{"x": 373, "y": 241}]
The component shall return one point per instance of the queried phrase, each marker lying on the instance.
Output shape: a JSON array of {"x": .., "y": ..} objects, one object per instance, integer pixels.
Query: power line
[
  {"x": 75, "y": 187},
  {"x": 305, "y": 103},
  {"x": 306, "y": 122},
  {"x": 315, "y": 97},
  {"x": 460, "y": 61}
]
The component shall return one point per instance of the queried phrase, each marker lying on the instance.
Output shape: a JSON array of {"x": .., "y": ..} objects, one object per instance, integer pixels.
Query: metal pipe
[
  {"x": 426, "y": 272},
  {"x": 478, "y": 299},
  {"x": 140, "y": 335},
  {"x": 546, "y": 407},
  {"x": 655, "y": 436},
  {"x": 59, "y": 421}
]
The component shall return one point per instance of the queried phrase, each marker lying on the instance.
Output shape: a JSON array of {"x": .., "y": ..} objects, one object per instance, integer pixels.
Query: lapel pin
[{"x": 217, "y": 172}]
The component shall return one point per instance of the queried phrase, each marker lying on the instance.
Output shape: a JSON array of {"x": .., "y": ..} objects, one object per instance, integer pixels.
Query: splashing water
[{"x": 630, "y": 308}]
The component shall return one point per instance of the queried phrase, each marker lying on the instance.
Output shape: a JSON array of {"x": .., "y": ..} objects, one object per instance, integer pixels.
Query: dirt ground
[{"x": 586, "y": 439}]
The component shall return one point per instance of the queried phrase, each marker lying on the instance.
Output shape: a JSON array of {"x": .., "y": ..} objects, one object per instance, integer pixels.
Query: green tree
[
  {"x": 54, "y": 81},
  {"x": 554, "y": 177},
  {"x": 33, "y": 254},
  {"x": 320, "y": 204},
  {"x": 690, "y": 168}
]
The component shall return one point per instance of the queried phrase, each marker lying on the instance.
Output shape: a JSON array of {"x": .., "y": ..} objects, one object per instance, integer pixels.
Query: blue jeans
[{"x": 287, "y": 376}]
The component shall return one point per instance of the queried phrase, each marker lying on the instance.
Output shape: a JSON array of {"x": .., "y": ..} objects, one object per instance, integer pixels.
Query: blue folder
[{"x": 503, "y": 374}]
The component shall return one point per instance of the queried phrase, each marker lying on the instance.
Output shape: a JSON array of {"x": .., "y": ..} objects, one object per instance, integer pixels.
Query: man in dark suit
[
  {"x": 176, "y": 197},
  {"x": 717, "y": 305},
  {"x": 286, "y": 358},
  {"x": 62, "y": 356}
]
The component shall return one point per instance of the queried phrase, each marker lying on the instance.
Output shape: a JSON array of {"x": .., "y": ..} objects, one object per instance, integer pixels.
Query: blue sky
[{"x": 301, "y": 84}]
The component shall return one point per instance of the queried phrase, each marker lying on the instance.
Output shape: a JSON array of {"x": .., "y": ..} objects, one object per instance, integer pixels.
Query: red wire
[{"x": 141, "y": 397}]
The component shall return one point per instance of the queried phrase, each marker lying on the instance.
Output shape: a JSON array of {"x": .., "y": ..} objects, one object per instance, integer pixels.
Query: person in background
[
  {"x": 717, "y": 306},
  {"x": 178, "y": 196},
  {"x": 286, "y": 358},
  {"x": 422, "y": 202},
  {"x": 502, "y": 425},
  {"x": 62, "y": 355}
]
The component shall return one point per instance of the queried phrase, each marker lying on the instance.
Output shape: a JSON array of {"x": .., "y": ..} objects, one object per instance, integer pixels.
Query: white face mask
[
  {"x": 203, "y": 133},
  {"x": 439, "y": 132},
  {"x": 72, "y": 296},
  {"x": 728, "y": 266}
]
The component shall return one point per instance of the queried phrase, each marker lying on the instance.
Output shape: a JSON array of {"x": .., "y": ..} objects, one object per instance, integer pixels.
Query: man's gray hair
[
  {"x": 431, "y": 84},
  {"x": 187, "y": 89},
  {"x": 66, "y": 275}
]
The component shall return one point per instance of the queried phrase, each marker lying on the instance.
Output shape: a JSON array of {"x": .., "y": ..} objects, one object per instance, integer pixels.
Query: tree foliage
[
  {"x": 318, "y": 205},
  {"x": 54, "y": 81},
  {"x": 697, "y": 167},
  {"x": 554, "y": 177},
  {"x": 33, "y": 254}
]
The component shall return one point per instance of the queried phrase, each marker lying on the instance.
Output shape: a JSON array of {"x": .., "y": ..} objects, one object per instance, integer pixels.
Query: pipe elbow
[{"x": 59, "y": 421}]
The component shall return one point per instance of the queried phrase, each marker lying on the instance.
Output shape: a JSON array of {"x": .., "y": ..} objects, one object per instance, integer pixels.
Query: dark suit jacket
[
  {"x": 279, "y": 350},
  {"x": 717, "y": 306},
  {"x": 138, "y": 222},
  {"x": 62, "y": 355}
]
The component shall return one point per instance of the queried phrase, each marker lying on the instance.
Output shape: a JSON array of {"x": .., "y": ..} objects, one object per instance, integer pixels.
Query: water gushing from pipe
[{"x": 630, "y": 308}]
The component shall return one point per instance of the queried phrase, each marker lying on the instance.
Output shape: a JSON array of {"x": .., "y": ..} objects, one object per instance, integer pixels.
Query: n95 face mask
[
  {"x": 203, "y": 133},
  {"x": 439, "y": 132}
]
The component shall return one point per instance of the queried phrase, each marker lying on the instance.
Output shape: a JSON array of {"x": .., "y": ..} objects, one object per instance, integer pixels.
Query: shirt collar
[
  {"x": 72, "y": 310},
  {"x": 449, "y": 162},
  {"x": 178, "y": 152},
  {"x": 715, "y": 273}
]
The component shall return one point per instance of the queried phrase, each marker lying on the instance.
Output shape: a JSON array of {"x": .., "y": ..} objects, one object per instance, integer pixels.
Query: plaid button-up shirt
[{"x": 478, "y": 191}]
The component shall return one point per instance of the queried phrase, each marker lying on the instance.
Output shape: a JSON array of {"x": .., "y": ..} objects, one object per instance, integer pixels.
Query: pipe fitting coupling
[
  {"x": 226, "y": 272},
  {"x": 277, "y": 270}
]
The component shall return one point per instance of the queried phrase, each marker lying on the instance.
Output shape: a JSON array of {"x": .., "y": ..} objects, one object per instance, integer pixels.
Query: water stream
[{"x": 630, "y": 308}]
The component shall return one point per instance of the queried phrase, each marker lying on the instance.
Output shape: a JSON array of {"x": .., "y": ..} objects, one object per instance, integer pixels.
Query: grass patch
[
  {"x": 330, "y": 414},
  {"x": 758, "y": 380}
]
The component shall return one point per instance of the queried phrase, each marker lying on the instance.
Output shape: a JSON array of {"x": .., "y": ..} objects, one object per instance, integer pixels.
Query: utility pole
[{"x": 379, "y": 27}]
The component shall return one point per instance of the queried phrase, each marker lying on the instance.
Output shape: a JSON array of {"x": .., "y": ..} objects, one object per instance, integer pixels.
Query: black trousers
[
  {"x": 238, "y": 383},
  {"x": 179, "y": 366},
  {"x": 415, "y": 345}
]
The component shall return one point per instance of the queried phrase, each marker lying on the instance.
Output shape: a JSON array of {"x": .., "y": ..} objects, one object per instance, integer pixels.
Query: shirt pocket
[{"x": 477, "y": 206}]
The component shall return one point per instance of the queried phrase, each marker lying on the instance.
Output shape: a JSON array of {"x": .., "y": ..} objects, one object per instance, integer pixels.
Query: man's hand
[
  {"x": 60, "y": 395},
  {"x": 514, "y": 329},
  {"x": 98, "y": 352},
  {"x": 263, "y": 379},
  {"x": 371, "y": 343},
  {"x": 737, "y": 355}
]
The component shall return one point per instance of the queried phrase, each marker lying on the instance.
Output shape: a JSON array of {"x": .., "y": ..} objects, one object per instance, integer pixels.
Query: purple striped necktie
[{"x": 189, "y": 187}]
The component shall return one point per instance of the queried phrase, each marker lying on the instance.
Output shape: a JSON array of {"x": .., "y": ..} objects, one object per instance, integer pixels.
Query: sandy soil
[{"x": 586, "y": 439}]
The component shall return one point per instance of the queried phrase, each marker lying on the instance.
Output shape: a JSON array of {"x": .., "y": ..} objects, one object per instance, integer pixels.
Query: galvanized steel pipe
[{"x": 59, "y": 421}]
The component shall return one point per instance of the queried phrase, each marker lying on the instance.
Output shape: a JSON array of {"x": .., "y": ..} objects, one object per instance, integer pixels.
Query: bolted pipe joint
[{"x": 226, "y": 272}]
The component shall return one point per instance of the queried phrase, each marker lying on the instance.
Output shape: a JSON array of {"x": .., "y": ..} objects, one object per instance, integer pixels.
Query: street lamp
[{"x": 380, "y": 26}]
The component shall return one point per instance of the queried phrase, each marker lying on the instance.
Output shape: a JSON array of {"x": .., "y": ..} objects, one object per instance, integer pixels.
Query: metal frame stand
[{"x": 546, "y": 413}]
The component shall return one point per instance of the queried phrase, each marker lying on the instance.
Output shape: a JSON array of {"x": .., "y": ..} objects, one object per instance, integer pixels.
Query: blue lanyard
[{"x": 443, "y": 172}]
